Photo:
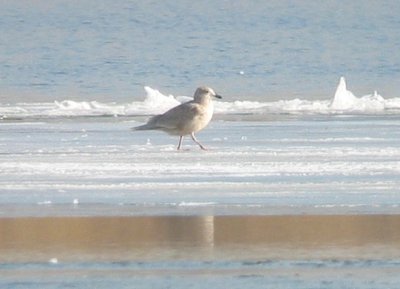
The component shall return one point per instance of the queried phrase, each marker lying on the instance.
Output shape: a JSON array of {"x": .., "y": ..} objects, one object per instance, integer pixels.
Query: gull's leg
[
  {"x": 180, "y": 142},
  {"x": 196, "y": 141}
]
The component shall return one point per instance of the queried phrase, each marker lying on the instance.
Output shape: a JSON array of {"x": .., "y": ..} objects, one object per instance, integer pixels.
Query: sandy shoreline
[{"x": 113, "y": 238}]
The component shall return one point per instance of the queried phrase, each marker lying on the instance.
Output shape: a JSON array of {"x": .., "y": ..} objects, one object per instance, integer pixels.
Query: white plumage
[{"x": 186, "y": 118}]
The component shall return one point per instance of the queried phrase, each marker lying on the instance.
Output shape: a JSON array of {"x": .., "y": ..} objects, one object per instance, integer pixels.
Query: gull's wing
[{"x": 178, "y": 116}]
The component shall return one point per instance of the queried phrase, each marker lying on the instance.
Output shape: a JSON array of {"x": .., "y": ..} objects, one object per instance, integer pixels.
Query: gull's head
[{"x": 204, "y": 94}]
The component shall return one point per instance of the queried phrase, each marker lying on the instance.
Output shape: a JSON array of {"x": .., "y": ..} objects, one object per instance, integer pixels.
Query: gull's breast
[{"x": 200, "y": 120}]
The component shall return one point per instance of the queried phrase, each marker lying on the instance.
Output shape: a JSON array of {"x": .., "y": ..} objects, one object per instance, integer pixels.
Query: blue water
[{"x": 257, "y": 50}]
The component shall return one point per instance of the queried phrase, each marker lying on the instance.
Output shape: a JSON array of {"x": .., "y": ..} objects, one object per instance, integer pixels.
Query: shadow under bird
[{"x": 186, "y": 118}]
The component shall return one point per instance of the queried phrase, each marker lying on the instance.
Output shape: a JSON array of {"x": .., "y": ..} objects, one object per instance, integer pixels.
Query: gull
[{"x": 186, "y": 118}]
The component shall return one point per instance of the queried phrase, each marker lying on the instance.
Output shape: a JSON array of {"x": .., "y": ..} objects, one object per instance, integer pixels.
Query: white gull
[{"x": 186, "y": 118}]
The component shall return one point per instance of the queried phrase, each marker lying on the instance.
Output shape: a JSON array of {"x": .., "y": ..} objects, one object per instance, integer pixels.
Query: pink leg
[
  {"x": 196, "y": 141},
  {"x": 180, "y": 142}
]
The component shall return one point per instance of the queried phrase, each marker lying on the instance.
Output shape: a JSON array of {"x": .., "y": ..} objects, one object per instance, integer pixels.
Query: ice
[
  {"x": 195, "y": 204},
  {"x": 338, "y": 152},
  {"x": 83, "y": 108},
  {"x": 155, "y": 102},
  {"x": 343, "y": 99},
  {"x": 302, "y": 162},
  {"x": 155, "y": 99}
]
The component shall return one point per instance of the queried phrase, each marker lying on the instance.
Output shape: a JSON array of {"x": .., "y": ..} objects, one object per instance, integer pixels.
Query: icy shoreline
[
  {"x": 342, "y": 102},
  {"x": 301, "y": 163}
]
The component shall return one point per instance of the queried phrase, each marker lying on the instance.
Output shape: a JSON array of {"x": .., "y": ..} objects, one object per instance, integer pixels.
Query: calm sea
[{"x": 254, "y": 50}]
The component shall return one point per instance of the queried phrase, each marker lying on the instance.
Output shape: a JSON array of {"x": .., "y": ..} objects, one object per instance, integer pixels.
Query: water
[
  {"x": 257, "y": 50},
  {"x": 77, "y": 75},
  {"x": 355, "y": 251}
]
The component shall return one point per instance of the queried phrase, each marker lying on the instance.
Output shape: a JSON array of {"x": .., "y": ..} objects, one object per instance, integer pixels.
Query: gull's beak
[{"x": 217, "y": 96}]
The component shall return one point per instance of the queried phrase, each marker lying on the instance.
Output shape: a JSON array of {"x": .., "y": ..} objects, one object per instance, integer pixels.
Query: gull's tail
[
  {"x": 150, "y": 125},
  {"x": 143, "y": 127}
]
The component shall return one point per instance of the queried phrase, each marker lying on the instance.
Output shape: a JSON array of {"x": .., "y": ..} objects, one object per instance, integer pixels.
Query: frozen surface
[
  {"x": 330, "y": 274},
  {"x": 154, "y": 102},
  {"x": 311, "y": 161}
]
